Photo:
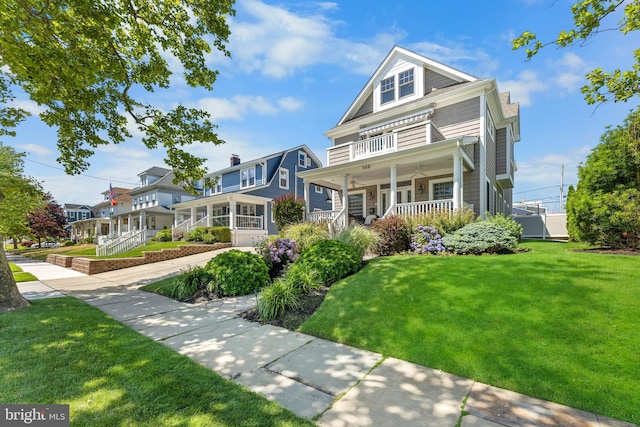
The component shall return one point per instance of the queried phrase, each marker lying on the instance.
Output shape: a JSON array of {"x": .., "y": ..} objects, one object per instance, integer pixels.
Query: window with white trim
[
  {"x": 303, "y": 159},
  {"x": 217, "y": 187},
  {"x": 405, "y": 81},
  {"x": 248, "y": 177},
  {"x": 247, "y": 209},
  {"x": 491, "y": 127},
  {"x": 442, "y": 190},
  {"x": 387, "y": 90},
  {"x": 319, "y": 189},
  {"x": 283, "y": 178}
]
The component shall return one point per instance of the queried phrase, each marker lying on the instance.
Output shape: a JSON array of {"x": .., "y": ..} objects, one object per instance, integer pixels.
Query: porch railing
[
  {"x": 124, "y": 243},
  {"x": 423, "y": 208},
  {"x": 180, "y": 229},
  {"x": 319, "y": 217},
  {"x": 220, "y": 221},
  {"x": 248, "y": 221},
  {"x": 202, "y": 222},
  {"x": 373, "y": 146}
]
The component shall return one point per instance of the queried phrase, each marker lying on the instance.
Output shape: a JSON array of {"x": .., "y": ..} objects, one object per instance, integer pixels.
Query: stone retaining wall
[{"x": 94, "y": 266}]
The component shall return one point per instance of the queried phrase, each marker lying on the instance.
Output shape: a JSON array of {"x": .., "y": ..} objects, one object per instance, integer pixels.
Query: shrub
[
  {"x": 237, "y": 273},
  {"x": 426, "y": 240},
  {"x": 27, "y": 243},
  {"x": 479, "y": 237},
  {"x": 445, "y": 222},
  {"x": 360, "y": 238},
  {"x": 277, "y": 298},
  {"x": 209, "y": 235},
  {"x": 277, "y": 254},
  {"x": 302, "y": 279},
  {"x": 394, "y": 235},
  {"x": 189, "y": 282},
  {"x": 67, "y": 243},
  {"x": 287, "y": 209},
  {"x": 306, "y": 234},
  {"x": 330, "y": 259},
  {"x": 506, "y": 222},
  {"x": 88, "y": 240},
  {"x": 163, "y": 236}
]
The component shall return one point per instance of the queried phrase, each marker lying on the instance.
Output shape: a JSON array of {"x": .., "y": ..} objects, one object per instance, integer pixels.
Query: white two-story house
[{"x": 420, "y": 136}]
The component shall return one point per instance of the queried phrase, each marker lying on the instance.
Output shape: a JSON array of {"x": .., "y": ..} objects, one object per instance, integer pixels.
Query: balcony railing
[{"x": 387, "y": 143}]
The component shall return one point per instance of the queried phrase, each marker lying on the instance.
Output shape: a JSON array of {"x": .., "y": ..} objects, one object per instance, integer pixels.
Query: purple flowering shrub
[
  {"x": 426, "y": 240},
  {"x": 277, "y": 254}
]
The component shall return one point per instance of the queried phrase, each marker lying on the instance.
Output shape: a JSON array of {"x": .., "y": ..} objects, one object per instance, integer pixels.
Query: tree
[
  {"x": 604, "y": 209},
  {"x": 14, "y": 187},
  {"x": 48, "y": 221},
  {"x": 589, "y": 17},
  {"x": 287, "y": 209},
  {"x": 91, "y": 66}
]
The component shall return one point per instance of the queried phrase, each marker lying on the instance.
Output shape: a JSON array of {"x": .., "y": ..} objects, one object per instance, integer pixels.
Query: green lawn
[
  {"x": 19, "y": 275},
  {"x": 64, "y": 351},
  {"x": 552, "y": 323},
  {"x": 161, "y": 287}
]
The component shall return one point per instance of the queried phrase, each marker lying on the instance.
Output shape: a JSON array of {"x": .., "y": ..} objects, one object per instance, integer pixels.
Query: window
[
  {"x": 318, "y": 189},
  {"x": 405, "y": 81},
  {"x": 217, "y": 187},
  {"x": 72, "y": 214},
  {"x": 84, "y": 215},
  {"x": 247, "y": 209},
  {"x": 153, "y": 197},
  {"x": 146, "y": 198},
  {"x": 387, "y": 90},
  {"x": 303, "y": 160},
  {"x": 283, "y": 178},
  {"x": 442, "y": 190},
  {"x": 491, "y": 127},
  {"x": 248, "y": 177}
]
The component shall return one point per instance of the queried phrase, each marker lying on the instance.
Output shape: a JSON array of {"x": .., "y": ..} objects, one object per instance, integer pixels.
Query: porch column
[
  {"x": 307, "y": 196},
  {"x": 265, "y": 216},
  {"x": 193, "y": 214},
  {"x": 209, "y": 214},
  {"x": 457, "y": 181},
  {"x": 345, "y": 199},
  {"x": 176, "y": 217},
  {"x": 143, "y": 220},
  {"x": 111, "y": 227},
  {"x": 129, "y": 222},
  {"x": 119, "y": 226},
  {"x": 232, "y": 213},
  {"x": 393, "y": 189}
]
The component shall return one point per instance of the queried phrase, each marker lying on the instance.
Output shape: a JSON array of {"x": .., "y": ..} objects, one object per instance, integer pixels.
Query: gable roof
[
  {"x": 155, "y": 171},
  {"x": 395, "y": 53}
]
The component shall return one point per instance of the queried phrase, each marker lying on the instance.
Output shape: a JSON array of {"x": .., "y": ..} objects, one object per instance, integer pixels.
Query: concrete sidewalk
[{"x": 337, "y": 385}]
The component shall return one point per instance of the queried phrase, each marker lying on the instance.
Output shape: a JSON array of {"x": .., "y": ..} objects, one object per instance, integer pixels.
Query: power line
[{"x": 82, "y": 174}]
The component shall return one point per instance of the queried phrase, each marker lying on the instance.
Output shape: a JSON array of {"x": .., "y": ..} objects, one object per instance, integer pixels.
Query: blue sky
[{"x": 296, "y": 67}]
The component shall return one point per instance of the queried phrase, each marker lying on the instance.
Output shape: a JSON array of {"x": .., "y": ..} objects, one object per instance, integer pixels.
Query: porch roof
[
  {"x": 221, "y": 199},
  {"x": 409, "y": 160}
]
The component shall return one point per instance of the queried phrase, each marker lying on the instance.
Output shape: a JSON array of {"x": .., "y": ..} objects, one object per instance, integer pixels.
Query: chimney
[{"x": 235, "y": 160}]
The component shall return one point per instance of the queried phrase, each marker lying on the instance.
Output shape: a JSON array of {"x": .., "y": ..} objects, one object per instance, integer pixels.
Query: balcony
[{"x": 378, "y": 145}]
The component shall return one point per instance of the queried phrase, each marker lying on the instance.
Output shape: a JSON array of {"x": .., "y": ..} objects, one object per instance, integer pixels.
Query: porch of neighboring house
[
  {"x": 245, "y": 215},
  {"x": 375, "y": 179},
  {"x": 92, "y": 228}
]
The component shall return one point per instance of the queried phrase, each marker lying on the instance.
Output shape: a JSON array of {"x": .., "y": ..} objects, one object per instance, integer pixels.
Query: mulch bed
[{"x": 292, "y": 319}]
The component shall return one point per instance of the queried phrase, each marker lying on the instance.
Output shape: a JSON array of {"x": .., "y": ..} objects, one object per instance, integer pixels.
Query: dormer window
[
  {"x": 387, "y": 90},
  {"x": 405, "y": 80}
]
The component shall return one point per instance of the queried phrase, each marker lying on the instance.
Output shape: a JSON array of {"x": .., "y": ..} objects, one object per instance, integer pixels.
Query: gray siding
[
  {"x": 459, "y": 119},
  {"x": 435, "y": 133},
  {"x": 366, "y": 108},
  {"x": 433, "y": 80},
  {"x": 339, "y": 155},
  {"x": 471, "y": 182},
  {"x": 413, "y": 137},
  {"x": 491, "y": 160},
  {"x": 345, "y": 139},
  {"x": 501, "y": 151}
]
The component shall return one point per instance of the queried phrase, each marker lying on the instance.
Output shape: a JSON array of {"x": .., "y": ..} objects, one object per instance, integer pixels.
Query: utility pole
[{"x": 561, "y": 188}]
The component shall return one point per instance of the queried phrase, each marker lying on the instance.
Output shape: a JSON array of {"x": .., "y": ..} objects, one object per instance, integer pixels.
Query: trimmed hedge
[
  {"x": 480, "y": 237},
  {"x": 330, "y": 259}
]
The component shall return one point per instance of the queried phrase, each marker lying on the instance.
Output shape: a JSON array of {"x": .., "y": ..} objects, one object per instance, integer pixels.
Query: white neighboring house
[{"x": 420, "y": 136}]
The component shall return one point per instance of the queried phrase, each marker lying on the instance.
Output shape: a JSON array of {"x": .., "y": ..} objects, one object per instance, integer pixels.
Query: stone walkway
[{"x": 334, "y": 384}]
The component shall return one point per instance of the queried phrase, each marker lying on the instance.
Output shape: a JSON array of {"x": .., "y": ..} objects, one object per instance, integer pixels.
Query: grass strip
[{"x": 66, "y": 352}]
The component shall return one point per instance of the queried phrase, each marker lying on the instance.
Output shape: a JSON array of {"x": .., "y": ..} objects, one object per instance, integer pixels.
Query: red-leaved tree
[{"x": 48, "y": 221}]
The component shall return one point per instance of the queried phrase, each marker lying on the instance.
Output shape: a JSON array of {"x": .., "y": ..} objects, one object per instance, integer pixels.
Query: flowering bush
[
  {"x": 426, "y": 240},
  {"x": 277, "y": 254}
]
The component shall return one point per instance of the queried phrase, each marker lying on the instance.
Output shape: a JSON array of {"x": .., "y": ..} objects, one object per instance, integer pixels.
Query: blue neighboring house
[{"x": 242, "y": 195}]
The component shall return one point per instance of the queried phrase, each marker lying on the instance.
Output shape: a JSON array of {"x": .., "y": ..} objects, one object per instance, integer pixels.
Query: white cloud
[
  {"x": 239, "y": 106},
  {"x": 571, "y": 77},
  {"x": 35, "y": 149},
  {"x": 544, "y": 171},
  {"x": 521, "y": 88},
  {"x": 27, "y": 105}
]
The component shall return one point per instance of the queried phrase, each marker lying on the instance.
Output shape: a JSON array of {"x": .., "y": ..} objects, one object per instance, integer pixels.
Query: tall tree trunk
[{"x": 10, "y": 298}]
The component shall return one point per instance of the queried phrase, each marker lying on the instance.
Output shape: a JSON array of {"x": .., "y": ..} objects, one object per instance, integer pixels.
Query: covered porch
[
  {"x": 245, "y": 215},
  {"x": 414, "y": 181}
]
